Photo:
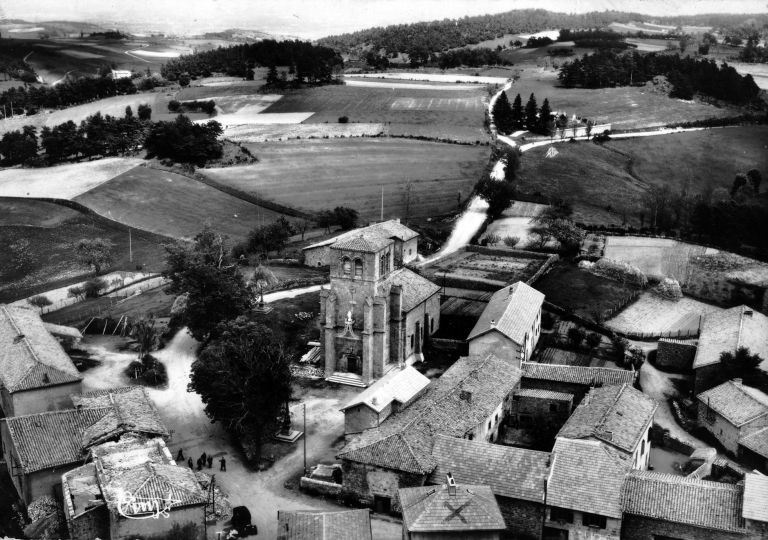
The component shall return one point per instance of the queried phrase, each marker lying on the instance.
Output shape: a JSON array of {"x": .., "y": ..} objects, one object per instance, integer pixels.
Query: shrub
[
  {"x": 511, "y": 241},
  {"x": 93, "y": 287},
  {"x": 492, "y": 239},
  {"x": 76, "y": 292},
  {"x": 343, "y": 119},
  {"x": 40, "y": 301},
  {"x": 619, "y": 271},
  {"x": 148, "y": 371},
  {"x": 669, "y": 288},
  {"x": 174, "y": 106},
  {"x": 576, "y": 336},
  {"x": 593, "y": 340},
  {"x": 547, "y": 320}
]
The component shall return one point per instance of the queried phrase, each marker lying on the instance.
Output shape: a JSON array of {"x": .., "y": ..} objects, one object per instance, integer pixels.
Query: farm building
[
  {"x": 510, "y": 325},
  {"x": 534, "y": 407},
  {"x": 618, "y": 416},
  {"x": 576, "y": 380},
  {"x": 450, "y": 510},
  {"x": 733, "y": 411},
  {"x": 40, "y": 447},
  {"x": 660, "y": 505},
  {"x": 120, "y": 74},
  {"x": 466, "y": 401},
  {"x": 95, "y": 494},
  {"x": 393, "y": 392},
  {"x": 584, "y": 490},
  {"x": 405, "y": 243},
  {"x": 676, "y": 354},
  {"x": 319, "y": 525},
  {"x": 517, "y": 477},
  {"x": 36, "y": 375},
  {"x": 727, "y": 331},
  {"x": 375, "y": 316}
]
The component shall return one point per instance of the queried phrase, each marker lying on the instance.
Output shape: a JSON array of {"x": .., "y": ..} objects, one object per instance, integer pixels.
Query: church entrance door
[{"x": 354, "y": 365}]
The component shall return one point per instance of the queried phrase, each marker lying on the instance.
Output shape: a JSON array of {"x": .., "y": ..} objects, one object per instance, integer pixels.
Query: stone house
[
  {"x": 753, "y": 450},
  {"x": 36, "y": 375},
  {"x": 320, "y": 525},
  {"x": 393, "y": 392},
  {"x": 576, "y": 380},
  {"x": 618, "y": 416},
  {"x": 450, "y": 510},
  {"x": 517, "y": 477},
  {"x": 510, "y": 325},
  {"x": 727, "y": 331},
  {"x": 663, "y": 506},
  {"x": 529, "y": 406},
  {"x": 732, "y": 412},
  {"x": 95, "y": 494},
  {"x": 466, "y": 401},
  {"x": 584, "y": 491},
  {"x": 374, "y": 316},
  {"x": 405, "y": 243},
  {"x": 676, "y": 354},
  {"x": 39, "y": 448}
]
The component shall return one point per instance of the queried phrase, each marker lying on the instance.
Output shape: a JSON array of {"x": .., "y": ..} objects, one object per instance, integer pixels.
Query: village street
[{"x": 262, "y": 492}]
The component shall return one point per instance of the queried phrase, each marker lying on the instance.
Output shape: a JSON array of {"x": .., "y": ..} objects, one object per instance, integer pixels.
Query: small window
[
  {"x": 553, "y": 407},
  {"x": 496, "y": 418},
  {"x": 489, "y": 425},
  {"x": 594, "y": 520},
  {"x": 642, "y": 446},
  {"x": 346, "y": 266},
  {"x": 411, "y": 341},
  {"x": 561, "y": 514},
  {"x": 432, "y": 326},
  {"x": 358, "y": 268}
]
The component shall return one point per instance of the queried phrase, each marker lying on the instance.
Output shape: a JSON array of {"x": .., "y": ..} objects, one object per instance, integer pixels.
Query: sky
[{"x": 311, "y": 19}]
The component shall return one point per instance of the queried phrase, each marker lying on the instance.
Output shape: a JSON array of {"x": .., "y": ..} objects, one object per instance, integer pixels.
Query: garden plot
[
  {"x": 62, "y": 181},
  {"x": 470, "y": 267},
  {"x": 516, "y": 221},
  {"x": 242, "y": 103},
  {"x": 653, "y": 314},
  {"x": 660, "y": 257}
]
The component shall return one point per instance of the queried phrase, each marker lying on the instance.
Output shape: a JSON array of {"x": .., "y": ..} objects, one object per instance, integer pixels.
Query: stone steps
[{"x": 349, "y": 380}]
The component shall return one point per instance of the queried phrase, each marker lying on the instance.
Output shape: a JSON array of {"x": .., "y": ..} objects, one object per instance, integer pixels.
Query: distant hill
[{"x": 438, "y": 36}]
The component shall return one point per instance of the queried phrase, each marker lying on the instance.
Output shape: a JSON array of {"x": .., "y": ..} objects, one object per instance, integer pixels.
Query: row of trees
[
  {"x": 509, "y": 118},
  {"x": 471, "y": 58},
  {"x": 608, "y": 69},
  {"x": 97, "y": 135},
  {"x": 594, "y": 39},
  {"x": 28, "y": 100},
  {"x": 312, "y": 63}
]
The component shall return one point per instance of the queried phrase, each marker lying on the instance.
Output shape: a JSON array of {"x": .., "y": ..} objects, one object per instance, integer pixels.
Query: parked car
[{"x": 241, "y": 522}]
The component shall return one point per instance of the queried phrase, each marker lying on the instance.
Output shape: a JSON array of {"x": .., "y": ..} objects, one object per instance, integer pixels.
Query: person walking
[
  {"x": 191, "y": 465},
  {"x": 180, "y": 455},
  {"x": 223, "y": 463},
  {"x": 204, "y": 458},
  {"x": 210, "y": 462}
]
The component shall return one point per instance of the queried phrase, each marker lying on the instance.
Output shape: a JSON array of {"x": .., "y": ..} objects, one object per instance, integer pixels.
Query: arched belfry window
[
  {"x": 358, "y": 268},
  {"x": 346, "y": 266},
  {"x": 383, "y": 264}
]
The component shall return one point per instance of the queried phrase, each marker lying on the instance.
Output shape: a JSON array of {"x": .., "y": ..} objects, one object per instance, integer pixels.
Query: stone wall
[
  {"x": 523, "y": 518},
  {"x": 643, "y": 528},
  {"x": 319, "y": 487},
  {"x": 675, "y": 355},
  {"x": 363, "y": 482},
  {"x": 90, "y": 525}
]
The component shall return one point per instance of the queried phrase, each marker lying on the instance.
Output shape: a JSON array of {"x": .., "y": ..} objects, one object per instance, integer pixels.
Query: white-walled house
[{"x": 510, "y": 325}]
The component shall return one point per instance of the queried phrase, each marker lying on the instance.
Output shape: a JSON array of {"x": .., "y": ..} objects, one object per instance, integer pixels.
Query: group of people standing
[{"x": 202, "y": 461}]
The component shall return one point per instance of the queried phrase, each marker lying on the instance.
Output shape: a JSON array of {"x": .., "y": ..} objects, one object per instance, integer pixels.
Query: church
[{"x": 376, "y": 313}]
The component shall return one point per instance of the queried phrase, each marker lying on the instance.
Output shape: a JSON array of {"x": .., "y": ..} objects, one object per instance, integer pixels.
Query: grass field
[
  {"x": 652, "y": 314},
  {"x": 516, "y": 221},
  {"x": 623, "y": 108},
  {"x": 51, "y": 231},
  {"x": 660, "y": 257},
  {"x": 315, "y": 175},
  {"x": 172, "y": 205},
  {"x": 62, "y": 181}
]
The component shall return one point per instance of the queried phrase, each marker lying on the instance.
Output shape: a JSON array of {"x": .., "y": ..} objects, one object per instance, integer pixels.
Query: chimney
[
  {"x": 466, "y": 395},
  {"x": 451, "y": 484},
  {"x": 493, "y": 323},
  {"x": 738, "y": 381},
  {"x": 748, "y": 313}
]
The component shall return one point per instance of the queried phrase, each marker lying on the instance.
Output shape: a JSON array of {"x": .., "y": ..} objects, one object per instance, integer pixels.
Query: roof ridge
[
  {"x": 667, "y": 478},
  {"x": 604, "y": 417},
  {"x": 60, "y": 411}
]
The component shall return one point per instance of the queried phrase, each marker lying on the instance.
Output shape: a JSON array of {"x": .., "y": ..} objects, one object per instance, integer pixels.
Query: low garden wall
[{"x": 319, "y": 487}]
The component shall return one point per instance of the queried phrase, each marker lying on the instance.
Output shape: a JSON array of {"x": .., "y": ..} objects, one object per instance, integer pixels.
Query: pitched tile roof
[
  {"x": 362, "y": 243},
  {"x": 50, "y": 439},
  {"x": 382, "y": 231},
  {"x": 616, "y": 415},
  {"x": 511, "y": 311},
  {"x": 320, "y": 525},
  {"x": 30, "y": 357},
  {"x": 586, "y": 476},
  {"x": 511, "y": 472},
  {"x": 679, "y": 499},
  {"x": 757, "y": 442},
  {"x": 132, "y": 411},
  {"x": 737, "y": 403},
  {"x": 434, "y": 508},
  {"x": 416, "y": 289},
  {"x": 58, "y": 330},
  {"x": 145, "y": 470},
  {"x": 755, "y": 497},
  {"x": 588, "y": 376},
  {"x": 537, "y": 393},
  {"x": 466, "y": 395},
  {"x": 400, "y": 385},
  {"x": 728, "y": 330}
]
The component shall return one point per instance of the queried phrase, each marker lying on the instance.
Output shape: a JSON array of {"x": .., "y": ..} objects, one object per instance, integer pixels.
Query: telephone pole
[{"x": 130, "y": 246}]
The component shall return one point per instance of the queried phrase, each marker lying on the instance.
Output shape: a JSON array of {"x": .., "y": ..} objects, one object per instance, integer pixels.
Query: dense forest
[
  {"x": 29, "y": 99},
  {"x": 688, "y": 75},
  {"x": 312, "y": 63},
  {"x": 471, "y": 58},
  {"x": 438, "y": 36},
  {"x": 594, "y": 39}
]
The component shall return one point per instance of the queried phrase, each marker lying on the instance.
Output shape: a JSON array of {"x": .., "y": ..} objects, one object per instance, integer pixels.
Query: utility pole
[
  {"x": 305, "y": 437},
  {"x": 381, "y": 218},
  {"x": 130, "y": 246}
]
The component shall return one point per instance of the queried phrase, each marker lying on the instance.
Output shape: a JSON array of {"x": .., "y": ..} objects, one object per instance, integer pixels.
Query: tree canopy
[
  {"x": 184, "y": 141},
  {"x": 94, "y": 252}
]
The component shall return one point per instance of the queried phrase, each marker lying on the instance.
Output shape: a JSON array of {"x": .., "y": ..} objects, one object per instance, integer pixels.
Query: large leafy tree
[
  {"x": 745, "y": 365},
  {"x": 244, "y": 379},
  {"x": 94, "y": 252},
  {"x": 205, "y": 271}
]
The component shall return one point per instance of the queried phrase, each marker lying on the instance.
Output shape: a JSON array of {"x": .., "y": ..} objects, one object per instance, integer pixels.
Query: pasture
[
  {"x": 63, "y": 181},
  {"x": 623, "y": 107},
  {"x": 659, "y": 257},
  {"x": 316, "y": 175},
  {"x": 173, "y": 205},
  {"x": 653, "y": 314}
]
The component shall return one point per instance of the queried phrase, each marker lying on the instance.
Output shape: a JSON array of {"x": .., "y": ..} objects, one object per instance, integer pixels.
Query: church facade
[{"x": 375, "y": 315}]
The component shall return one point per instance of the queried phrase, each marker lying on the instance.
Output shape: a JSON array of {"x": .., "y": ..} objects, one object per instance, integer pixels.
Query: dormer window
[
  {"x": 358, "y": 268},
  {"x": 346, "y": 267}
]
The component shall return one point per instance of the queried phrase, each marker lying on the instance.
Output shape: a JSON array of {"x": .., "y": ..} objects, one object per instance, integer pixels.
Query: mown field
[
  {"x": 316, "y": 175},
  {"x": 51, "y": 231},
  {"x": 660, "y": 257},
  {"x": 173, "y": 205},
  {"x": 623, "y": 107}
]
